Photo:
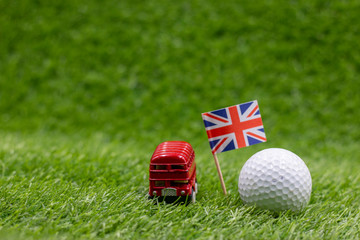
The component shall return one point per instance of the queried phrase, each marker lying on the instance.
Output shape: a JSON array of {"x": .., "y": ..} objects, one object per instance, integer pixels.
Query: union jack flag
[{"x": 234, "y": 127}]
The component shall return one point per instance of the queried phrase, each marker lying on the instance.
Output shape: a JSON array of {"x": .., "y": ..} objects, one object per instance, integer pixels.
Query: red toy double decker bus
[{"x": 173, "y": 172}]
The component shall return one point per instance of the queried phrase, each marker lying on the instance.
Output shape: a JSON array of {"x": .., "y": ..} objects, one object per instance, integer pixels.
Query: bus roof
[{"x": 172, "y": 152}]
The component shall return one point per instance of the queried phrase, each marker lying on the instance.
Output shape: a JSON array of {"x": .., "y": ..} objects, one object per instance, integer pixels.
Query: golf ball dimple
[{"x": 275, "y": 179}]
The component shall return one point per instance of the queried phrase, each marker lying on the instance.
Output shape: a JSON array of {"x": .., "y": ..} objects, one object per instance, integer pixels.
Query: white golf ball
[{"x": 275, "y": 179}]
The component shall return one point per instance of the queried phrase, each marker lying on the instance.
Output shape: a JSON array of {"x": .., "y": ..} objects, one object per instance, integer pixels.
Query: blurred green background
[
  {"x": 145, "y": 69},
  {"x": 89, "y": 88}
]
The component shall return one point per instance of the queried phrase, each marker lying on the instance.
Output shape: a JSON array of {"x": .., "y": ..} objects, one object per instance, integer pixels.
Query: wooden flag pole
[{"x": 220, "y": 174}]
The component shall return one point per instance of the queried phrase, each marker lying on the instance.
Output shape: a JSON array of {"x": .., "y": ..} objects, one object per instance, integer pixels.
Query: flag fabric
[{"x": 234, "y": 127}]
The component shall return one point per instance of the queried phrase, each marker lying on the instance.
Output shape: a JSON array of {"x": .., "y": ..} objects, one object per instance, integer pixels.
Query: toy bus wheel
[
  {"x": 193, "y": 197},
  {"x": 196, "y": 186}
]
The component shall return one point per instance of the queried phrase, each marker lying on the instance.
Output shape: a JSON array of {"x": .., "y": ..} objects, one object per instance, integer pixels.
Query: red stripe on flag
[
  {"x": 257, "y": 136},
  {"x": 238, "y": 126},
  {"x": 252, "y": 112},
  {"x": 216, "y": 118},
  {"x": 219, "y": 145}
]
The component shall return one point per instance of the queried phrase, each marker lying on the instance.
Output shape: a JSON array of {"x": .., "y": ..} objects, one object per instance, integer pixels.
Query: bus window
[
  {"x": 160, "y": 167},
  {"x": 178, "y": 182},
  {"x": 177, "y": 166},
  {"x": 159, "y": 183}
]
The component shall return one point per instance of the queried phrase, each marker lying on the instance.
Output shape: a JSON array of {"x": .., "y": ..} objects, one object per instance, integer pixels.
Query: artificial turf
[{"x": 88, "y": 90}]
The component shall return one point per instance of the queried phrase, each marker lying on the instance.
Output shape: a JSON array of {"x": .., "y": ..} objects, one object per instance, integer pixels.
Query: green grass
[
  {"x": 61, "y": 187},
  {"x": 88, "y": 90}
]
